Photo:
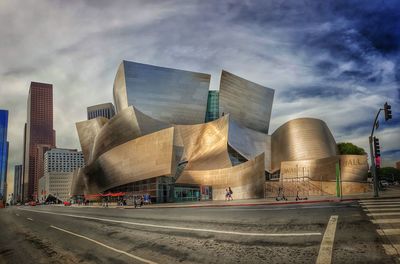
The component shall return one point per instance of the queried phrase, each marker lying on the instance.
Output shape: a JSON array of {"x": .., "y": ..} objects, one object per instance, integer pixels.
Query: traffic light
[
  {"x": 377, "y": 147},
  {"x": 388, "y": 111}
]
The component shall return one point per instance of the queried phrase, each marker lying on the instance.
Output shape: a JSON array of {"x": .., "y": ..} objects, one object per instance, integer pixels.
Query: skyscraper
[
  {"x": 3, "y": 153},
  {"x": 17, "y": 183},
  {"x": 39, "y": 134},
  {"x": 105, "y": 110}
]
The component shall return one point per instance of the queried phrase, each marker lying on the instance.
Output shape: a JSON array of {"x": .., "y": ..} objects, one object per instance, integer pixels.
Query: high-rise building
[
  {"x": 105, "y": 110},
  {"x": 39, "y": 134},
  {"x": 3, "y": 153},
  {"x": 212, "y": 112},
  {"x": 398, "y": 165},
  {"x": 17, "y": 183},
  {"x": 59, "y": 165}
]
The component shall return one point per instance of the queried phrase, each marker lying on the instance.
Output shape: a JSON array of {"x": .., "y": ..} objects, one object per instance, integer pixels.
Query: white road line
[
  {"x": 30, "y": 219},
  {"x": 381, "y": 206},
  {"x": 106, "y": 246},
  {"x": 326, "y": 249},
  {"x": 182, "y": 228},
  {"x": 382, "y": 209},
  {"x": 389, "y": 231},
  {"x": 386, "y": 221},
  {"x": 376, "y": 204},
  {"x": 17, "y": 214},
  {"x": 383, "y": 214},
  {"x": 380, "y": 201},
  {"x": 282, "y": 208},
  {"x": 391, "y": 249}
]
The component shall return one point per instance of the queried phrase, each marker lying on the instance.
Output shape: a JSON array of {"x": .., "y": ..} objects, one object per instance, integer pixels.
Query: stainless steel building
[
  {"x": 159, "y": 143},
  {"x": 169, "y": 95}
]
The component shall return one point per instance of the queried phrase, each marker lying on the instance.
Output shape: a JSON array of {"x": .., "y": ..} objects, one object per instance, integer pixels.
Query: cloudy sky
[{"x": 334, "y": 60}]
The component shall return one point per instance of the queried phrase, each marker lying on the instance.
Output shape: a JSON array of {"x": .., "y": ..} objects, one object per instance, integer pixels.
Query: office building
[
  {"x": 105, "y": 110},
  {"x": 39, "y": 135},
  {"x": 59, "y": 165},
  {"x": 3, "y": 154},
  {"x": 17, "y": 183}
]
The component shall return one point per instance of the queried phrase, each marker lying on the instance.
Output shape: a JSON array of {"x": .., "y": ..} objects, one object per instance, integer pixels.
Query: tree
[
  {"x": 347, "y": 148},
  {"x": 389, "y": 174}
]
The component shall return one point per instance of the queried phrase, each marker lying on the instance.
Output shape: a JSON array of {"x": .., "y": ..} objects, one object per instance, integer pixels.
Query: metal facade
[{"x": 169, "y": 95}]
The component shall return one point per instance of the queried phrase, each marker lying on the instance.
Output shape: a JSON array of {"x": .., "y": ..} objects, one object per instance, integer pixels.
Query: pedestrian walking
[
  {"x": 226, "y": 195},
  {"x": 230, "y": 193}
]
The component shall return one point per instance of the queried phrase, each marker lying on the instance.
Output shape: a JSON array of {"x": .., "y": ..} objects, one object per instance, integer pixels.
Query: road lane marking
[
  {"x": 182, "y": 228},
  {"x": 382, "y": 209},
  {"x": 383, "y": 214},
  {"x": 378, "y": 204},
  {"x": 389, "y": 231},
  {"x": 391, "y": 249},
  {"x": 382, "y": 206},
  {"x": 17, "y": 214},
  {"x": 386, "y": 221},
  {"x": 326, "y": 249},
  {"x": 30, "y": 219},
  {"x": 380, "y": 201},
  {"x": 282, "y": 208},
  {"x": 106, "y": 246}
]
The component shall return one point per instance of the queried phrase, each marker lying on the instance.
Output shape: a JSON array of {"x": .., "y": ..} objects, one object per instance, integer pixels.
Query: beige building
[{"x": 59, "y": 165}]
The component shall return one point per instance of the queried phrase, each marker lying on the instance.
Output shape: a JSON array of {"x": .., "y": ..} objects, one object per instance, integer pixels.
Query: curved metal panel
[
  {"x": 169, "y": 95},
  {"x": 248, "y": 103},
  {"x": 249, "y": 143},
  {"x": 142, "y": 158},
  {"x": 205, "y": 145},
  {"x": 120, "y": 129},
  {"x": 87, "y": 132},
  {"x": 354, "y": 168},
  {"x": 247, "y": 180},
  {"x": 78, "y": 182},
  {"x": 302, "y": 139},
  {"x": 119, "y": 89},
  {"x": 317, "y": 170}
]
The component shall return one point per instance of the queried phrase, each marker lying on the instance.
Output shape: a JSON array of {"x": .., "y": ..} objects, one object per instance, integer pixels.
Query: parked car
[
  {"x": 67, "y": 203},
  {"x": 32, "y": 203},
  {"x": 384, "y": 183}
]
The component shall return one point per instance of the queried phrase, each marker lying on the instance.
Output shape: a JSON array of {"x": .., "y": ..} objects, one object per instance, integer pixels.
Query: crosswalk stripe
[
  {"x": 383, "y": 214},
  {"x": 391, "y": 249},
  {"x": 382, "y": 209},
  {"x": 386, "y": 221},
  {"x": 381, "y": 206},
  {"x": 379, "y": 201},
  {"x": 371, "y": 204},
  {"x": 389, "y": 231}
]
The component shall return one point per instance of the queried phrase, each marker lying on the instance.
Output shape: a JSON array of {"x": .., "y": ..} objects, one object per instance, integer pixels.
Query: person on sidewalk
[
  {"x": 226, "y": 195},
  {"x": 230, "y": 194}
]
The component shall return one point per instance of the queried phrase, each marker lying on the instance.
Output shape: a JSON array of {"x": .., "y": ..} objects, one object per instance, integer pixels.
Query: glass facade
[
  {"x": 212, "y": 112},
  {"x": 186, "y": 193},
  {"x": 3, "y": 152}
]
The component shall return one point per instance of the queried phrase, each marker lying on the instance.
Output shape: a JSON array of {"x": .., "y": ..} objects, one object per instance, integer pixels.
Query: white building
[{"x": 59, "y": 165}]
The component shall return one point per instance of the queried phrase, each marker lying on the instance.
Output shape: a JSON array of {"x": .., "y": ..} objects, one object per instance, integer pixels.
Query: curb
[
  {"x": 248, "y": 204},
  {"x": 331, "y": 200}
]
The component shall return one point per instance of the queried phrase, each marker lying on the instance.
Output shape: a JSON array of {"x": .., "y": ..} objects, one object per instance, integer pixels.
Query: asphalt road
[{"x": 251, "y": 234}]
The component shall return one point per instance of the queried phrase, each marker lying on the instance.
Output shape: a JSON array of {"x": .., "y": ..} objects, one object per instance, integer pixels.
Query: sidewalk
[{"x": 393, "y": 192}]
